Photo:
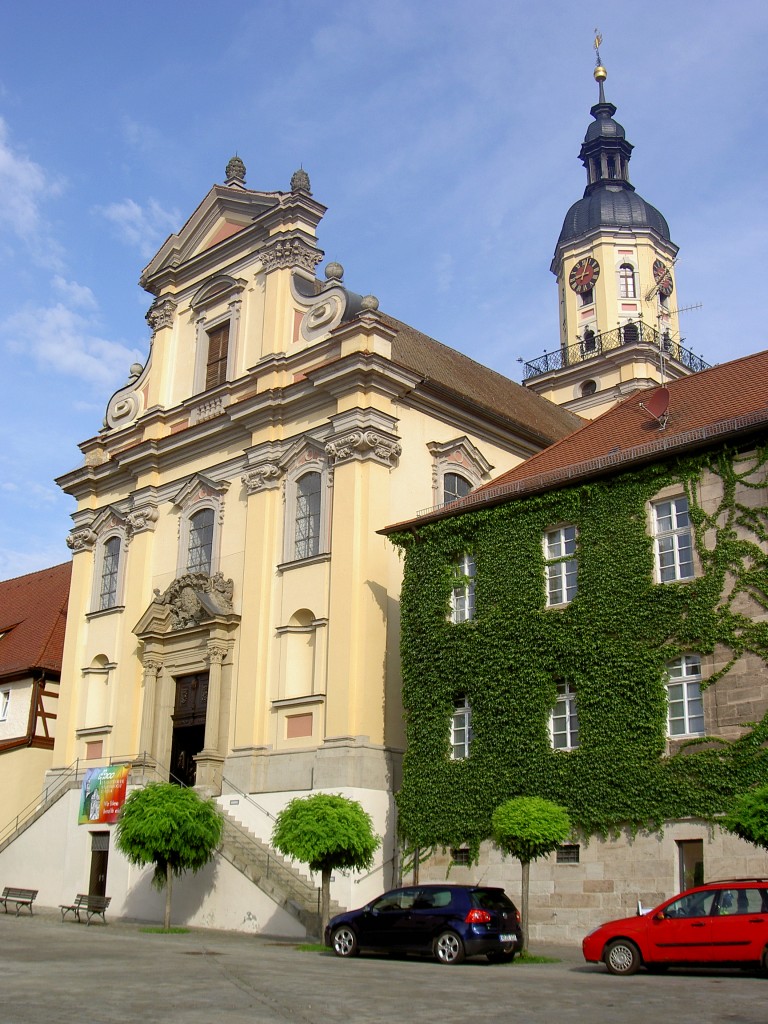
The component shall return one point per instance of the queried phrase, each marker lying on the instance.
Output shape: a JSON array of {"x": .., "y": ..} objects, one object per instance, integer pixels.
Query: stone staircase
[{"x": 273, "y": 874}]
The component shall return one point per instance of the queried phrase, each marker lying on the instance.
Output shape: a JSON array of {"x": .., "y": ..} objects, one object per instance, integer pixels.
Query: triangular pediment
[
  {"x": 190, "y": 601},
  {"x": 225, "y": 211},
  {"x": 305, "y": 449},
  {"x": 197, "y": 488}
]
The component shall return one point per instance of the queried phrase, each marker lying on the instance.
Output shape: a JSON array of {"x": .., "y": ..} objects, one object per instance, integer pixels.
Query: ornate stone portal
[{"x": 189, "y": 628}]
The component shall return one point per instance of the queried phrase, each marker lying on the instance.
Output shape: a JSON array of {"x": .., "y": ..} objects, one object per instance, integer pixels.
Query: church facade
[{"x": 234, "y": 618}]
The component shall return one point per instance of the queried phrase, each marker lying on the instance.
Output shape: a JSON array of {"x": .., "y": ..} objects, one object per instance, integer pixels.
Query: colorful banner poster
[{"x": 103, "y": 794}]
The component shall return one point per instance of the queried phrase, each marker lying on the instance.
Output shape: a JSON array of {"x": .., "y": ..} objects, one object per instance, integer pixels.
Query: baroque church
[{"x": 233, "y": 615}]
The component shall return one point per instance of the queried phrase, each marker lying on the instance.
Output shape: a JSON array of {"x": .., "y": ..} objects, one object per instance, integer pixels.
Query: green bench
[
  {"x": 91, "y": 906},
  {"x": 21, "y": 897}
]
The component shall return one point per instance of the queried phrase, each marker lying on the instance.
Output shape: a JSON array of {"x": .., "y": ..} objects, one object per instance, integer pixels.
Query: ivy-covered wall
[{"x": 612, "y": 641}]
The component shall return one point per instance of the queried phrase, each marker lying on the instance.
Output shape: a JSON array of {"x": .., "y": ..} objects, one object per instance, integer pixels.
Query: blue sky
[{"x": 442, "y": 136}]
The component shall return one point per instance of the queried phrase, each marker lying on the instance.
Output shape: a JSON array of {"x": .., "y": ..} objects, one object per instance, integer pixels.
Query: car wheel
[
  {"x": 344, "y": 941},
  {"x": 622, "y": 957},
  {"x": 501, "y": 956},
  {"x": 449, "y": 949}
]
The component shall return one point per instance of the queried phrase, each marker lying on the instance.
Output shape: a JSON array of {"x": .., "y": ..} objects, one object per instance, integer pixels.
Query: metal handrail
[{"x": 592, "y": 345}]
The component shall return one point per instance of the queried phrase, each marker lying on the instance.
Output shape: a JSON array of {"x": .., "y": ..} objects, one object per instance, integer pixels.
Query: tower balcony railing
[{"x": 634, "y": 332}]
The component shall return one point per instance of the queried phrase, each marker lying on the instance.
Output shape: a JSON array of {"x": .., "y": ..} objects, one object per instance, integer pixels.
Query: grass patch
[
  {"x": 531, "y": 958},
  {"x": 312, "y": 947},
  {"x": 165, "y": 931}
]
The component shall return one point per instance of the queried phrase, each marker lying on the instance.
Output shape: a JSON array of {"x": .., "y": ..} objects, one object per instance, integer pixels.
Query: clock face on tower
[
  {"x": 584, "y": 274},
  {"x": 663, "y": 278}
]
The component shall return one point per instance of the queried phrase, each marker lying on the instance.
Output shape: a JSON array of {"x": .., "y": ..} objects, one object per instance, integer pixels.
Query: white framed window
[
  {"x": 560, "y": 565},
  {"x": 200, "y": 541},
  {"x": 455, "y": 486},
  {"x": 5, "y": 703},
  {"x": 673, "y": 540},
  {"x": 463, "y": 592},
  {"x": 685, "y": 707},
  {"x": 627, "y": 289},
  {"x": 110, "y": 572},
  {"x": 564, "y": 720},
  {"x": 308, "y": 515},
  {"x": 217, "y": 304},
  {"x": 461, "y": 729}
]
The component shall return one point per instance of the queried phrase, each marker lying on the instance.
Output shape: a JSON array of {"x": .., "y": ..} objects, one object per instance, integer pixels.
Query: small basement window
[
  {"x": 568, "y": 854},
  {"x": 461, "y": 856}
]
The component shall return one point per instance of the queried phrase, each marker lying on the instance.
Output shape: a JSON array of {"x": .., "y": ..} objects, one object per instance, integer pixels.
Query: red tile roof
[
  {"x": 720, "y": 402},
  {"x": 33, "y": 614}
]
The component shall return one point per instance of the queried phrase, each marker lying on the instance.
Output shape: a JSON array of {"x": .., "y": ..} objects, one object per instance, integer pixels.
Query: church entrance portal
[{"x": 188, "y": 726}]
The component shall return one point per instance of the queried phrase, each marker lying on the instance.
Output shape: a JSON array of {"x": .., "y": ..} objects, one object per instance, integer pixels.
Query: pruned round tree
[
  {"x": 529, "y": 827},
  {"x": 327, "y": 833},
  {"x": 748, "y": 817},
  {"x": 170, "y": 827}
]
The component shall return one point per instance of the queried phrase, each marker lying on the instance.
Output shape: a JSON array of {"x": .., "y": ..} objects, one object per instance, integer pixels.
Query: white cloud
[
  {"x": 62, "y": 340},
  {"x": 74, "y": 294},
  {"x": 144, "y": 227},
  {"x": 23, "y": 184}
]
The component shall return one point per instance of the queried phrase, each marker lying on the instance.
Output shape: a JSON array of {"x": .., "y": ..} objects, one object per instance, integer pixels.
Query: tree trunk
[
  {"x": 168, "y": 885},
  {"x": 325, "y": 902},
  {"x": 526, "y": 864}
]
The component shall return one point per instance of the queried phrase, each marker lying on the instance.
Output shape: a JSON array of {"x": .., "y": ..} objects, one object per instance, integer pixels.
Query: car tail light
[
  {"x": 478, "y": 917},
  {"x": 517, "y": 915}
]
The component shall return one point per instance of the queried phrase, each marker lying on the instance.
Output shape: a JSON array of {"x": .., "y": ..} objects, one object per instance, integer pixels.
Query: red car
[{"x": 718, "y": 923}]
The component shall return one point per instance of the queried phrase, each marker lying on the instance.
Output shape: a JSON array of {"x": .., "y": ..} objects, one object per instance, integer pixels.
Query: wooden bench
[
  {"x": 21, "y": 897},
  {"x": 91, "y": 906}
]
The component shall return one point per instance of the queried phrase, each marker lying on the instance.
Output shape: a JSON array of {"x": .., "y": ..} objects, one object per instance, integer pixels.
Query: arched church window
[
  {"x": 455, "y": 486},
  {"x": 307, "y": 521},
  {"x": 589, "y": 387},
  {"x": 627, "y": 288},
  {"x": 200, "y": 550}
]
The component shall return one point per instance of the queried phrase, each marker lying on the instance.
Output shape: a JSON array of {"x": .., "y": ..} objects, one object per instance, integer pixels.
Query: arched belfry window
[{"x": 627, "y": 289}]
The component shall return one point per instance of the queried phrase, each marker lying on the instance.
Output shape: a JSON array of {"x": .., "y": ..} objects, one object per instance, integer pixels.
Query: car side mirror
[{"x": 660, "y": 916}]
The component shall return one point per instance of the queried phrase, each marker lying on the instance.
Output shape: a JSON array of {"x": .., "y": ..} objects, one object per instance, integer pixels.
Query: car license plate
[{"x": 507, "y": 938}]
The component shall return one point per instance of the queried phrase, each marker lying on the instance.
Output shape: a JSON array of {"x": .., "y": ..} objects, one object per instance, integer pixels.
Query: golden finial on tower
[{"x": 600, "y": 73}]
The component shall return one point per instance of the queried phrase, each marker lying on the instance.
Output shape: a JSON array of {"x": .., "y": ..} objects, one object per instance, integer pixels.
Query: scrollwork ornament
[{"x": 81, "y": 540}]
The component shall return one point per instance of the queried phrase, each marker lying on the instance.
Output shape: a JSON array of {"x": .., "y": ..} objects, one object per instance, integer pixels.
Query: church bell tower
[{"x": 615, "y": 267}]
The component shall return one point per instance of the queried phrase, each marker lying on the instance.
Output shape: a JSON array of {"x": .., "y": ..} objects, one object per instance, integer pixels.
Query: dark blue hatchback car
[{"x": 449, "y": 922}]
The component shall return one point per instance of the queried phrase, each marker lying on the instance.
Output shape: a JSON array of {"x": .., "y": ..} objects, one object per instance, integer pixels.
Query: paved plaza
[{"x": 65, "y": 973}]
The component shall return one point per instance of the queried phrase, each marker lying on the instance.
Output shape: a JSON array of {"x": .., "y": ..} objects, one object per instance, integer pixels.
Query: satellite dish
[{"x": 657, "y": 405}]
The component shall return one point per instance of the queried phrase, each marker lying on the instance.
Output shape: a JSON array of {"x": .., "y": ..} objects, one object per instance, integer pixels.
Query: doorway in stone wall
[
  {"x": 97, "y": 883},
  {"x": 691, "y": 862},
  {"x": 188, "y": 726}
]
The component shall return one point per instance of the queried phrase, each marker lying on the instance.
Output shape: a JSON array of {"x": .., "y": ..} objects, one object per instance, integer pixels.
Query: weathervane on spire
[
  {"x": 598, "y": 41},
  {"x": 600, "y": 73}
]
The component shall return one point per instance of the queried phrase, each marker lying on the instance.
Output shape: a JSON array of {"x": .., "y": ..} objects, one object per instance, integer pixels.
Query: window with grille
[
  {"x": 110, "y": 566},
  {"x": 685, "y": 707},
  {"x": 561, "y": 566},
  {"x": 307, "y": 519},
  {"x": 673, "y": 540},
  {"x": 200, "y": 549},
  {"x": 568, "y": 853}
]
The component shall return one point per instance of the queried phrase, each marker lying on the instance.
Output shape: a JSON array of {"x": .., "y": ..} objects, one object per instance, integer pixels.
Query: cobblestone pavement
[{"x": 65, "y": 973}]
